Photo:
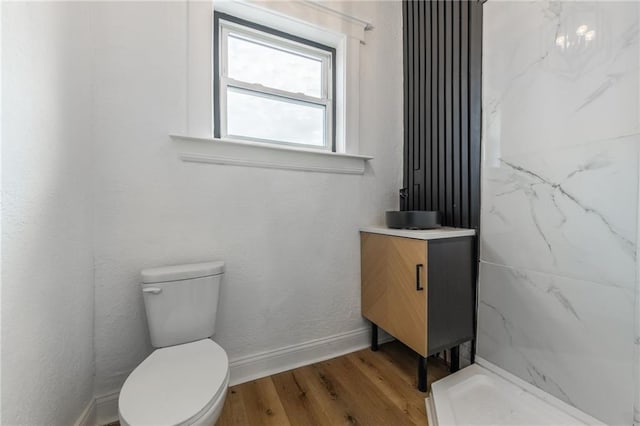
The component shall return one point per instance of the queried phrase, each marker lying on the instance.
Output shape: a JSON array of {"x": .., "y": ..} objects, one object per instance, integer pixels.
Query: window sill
[{"x": 254, "y": 154}]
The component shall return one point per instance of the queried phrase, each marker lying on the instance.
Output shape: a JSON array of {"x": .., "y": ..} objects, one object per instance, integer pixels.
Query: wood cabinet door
[{"x": 390, "y": 297}]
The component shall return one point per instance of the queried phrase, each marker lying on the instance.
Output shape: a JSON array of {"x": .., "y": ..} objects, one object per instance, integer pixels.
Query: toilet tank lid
[{"x": 181, "y": 272}]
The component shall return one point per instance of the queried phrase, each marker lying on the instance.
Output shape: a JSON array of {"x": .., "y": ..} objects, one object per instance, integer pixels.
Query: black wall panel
[{"x": 442, "y": 108}]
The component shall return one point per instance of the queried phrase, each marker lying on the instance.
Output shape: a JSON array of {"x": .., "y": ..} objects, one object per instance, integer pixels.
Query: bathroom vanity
[{"x": 419, "y": 287}]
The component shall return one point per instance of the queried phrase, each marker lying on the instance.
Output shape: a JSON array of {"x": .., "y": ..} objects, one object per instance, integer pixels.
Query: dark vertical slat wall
[{"x": 442, "y": 84}]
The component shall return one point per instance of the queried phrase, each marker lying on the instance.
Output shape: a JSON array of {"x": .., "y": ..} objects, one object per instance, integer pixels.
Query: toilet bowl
[
  {"x": 185, "y": 380},
  {"x": 179, "y": 385}
]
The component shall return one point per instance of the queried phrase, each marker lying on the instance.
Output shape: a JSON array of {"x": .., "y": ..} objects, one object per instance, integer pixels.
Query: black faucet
[{"x": 404, "y": 195}]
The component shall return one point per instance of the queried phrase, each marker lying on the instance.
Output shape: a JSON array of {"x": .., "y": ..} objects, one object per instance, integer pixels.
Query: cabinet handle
[{"x": 418, "y": 269}]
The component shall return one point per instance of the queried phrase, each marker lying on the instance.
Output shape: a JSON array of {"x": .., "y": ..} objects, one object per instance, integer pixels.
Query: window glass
[
  {"x": 258, "y": 116},
  {"x": 258, "y": 63},
  {"x": 271, "y": 86}
]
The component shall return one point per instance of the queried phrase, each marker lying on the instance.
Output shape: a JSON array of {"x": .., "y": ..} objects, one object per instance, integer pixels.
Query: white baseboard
[
  {"x": 107, "y": 408},
  {"x": 263, "y": 364},
  {"x": 88, "y": 416}
]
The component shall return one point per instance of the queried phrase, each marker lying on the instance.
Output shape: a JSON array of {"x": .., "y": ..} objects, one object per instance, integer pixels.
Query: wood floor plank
[
  {"x": 364, "y": 399},
  {"x": 438, "y": 369},
  {"x": 362, "y": 388},
  {"x": 299, "y": 399},
  {"x": 405, "y": 361},
  {"x": 384, "y": 376},
  {"x": 234, "y": 412},
  {"x": 406, "y": 371},
  {"x": 262, "y": 403},
  {"x": 334, "y": 407}
]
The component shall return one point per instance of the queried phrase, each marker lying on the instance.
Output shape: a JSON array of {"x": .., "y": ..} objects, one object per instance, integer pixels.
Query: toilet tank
[{"x": 181, "y": 302}]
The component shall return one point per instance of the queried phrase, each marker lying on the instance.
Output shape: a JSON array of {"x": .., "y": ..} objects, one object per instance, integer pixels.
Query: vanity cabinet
[{"x": 419, "y": 287}]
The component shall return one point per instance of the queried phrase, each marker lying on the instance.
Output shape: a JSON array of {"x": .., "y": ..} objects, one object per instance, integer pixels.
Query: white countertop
[{"x": 427, "y": 234}]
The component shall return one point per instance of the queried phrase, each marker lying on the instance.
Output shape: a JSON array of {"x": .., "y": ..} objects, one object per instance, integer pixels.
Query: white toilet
[{"x": 185, "y": 380}]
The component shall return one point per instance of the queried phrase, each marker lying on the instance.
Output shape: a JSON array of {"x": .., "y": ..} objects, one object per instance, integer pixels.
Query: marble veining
[
  {"x": 585, "y": 85},
  {"x": 559, "y": 203},
  {"x": 535, "y": 376},
  {"x": 555, "y": 186},
  {"x": 565, "y": 211},
  {"x": 608, "y": 83},
  {"x": 527, "y": 327}
]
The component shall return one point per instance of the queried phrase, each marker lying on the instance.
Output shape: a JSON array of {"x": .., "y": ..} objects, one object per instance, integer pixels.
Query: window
[{"x": 272, "y": 87}]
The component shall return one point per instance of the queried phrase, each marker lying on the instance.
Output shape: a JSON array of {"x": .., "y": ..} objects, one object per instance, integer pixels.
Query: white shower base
[{"x": 484, "y": 394}]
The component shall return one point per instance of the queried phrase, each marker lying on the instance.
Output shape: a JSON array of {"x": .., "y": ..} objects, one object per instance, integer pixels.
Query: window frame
[{"x": 222, "y": 25}]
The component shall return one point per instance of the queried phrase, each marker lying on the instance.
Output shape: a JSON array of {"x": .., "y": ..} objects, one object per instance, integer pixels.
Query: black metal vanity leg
[
  {"x": 472, "y": 355},
  {"x": 422, "y": 373},
  {"x": 374, "y": 337},
  {"x": 455, "y": 359}
]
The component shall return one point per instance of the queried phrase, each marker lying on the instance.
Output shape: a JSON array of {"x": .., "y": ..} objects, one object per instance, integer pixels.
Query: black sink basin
[{"x": 413, "y": 219}]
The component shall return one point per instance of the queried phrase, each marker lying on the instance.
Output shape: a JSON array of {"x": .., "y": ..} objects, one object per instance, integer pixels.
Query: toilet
[{"x": 184, "y": 381}]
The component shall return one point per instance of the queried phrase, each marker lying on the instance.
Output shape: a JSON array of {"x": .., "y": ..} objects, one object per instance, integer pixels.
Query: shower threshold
[{"x": 484, "y": 394}]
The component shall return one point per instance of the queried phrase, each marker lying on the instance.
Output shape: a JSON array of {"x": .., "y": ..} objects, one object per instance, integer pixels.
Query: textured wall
[
  {"x": 559, "y": 199},
  {"x": 289, "y": 238},
  {"x": 47, "y": 261}
]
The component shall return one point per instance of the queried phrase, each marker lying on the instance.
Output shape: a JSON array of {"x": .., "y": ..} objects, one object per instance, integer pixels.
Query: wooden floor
[{"x": 362, "y": 388}]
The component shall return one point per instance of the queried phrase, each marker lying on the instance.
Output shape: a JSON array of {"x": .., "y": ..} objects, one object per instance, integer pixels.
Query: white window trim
[
  {"x": 267, "y": 156},
  {"x": 305, "y": 18},
  {"x": 325, "y": 100}
]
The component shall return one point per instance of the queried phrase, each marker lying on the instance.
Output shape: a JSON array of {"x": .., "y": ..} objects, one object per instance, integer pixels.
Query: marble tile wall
[{"x": 561, "y": 139}]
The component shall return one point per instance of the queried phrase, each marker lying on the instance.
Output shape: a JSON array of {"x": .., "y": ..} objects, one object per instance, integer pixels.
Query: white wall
[
  {"x": 289, "y": 238},
  {"x": 559, "y": 200},
  {"x": 47, "y": 263}
]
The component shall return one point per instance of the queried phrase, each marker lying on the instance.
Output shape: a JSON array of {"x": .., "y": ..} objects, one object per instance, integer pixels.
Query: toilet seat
[{"x": 176, "y": 385}]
